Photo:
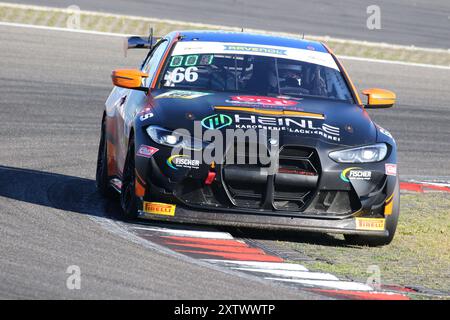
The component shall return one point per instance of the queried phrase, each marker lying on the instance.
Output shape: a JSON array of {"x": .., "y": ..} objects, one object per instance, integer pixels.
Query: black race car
[{"x": 248, "y": 130}]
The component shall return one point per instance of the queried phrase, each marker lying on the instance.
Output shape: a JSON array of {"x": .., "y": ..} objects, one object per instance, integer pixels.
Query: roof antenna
[{"x": 150, "y": 37}]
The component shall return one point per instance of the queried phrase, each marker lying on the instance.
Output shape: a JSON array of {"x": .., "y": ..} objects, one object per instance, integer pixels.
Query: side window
[{"x": 151, "y": 65}]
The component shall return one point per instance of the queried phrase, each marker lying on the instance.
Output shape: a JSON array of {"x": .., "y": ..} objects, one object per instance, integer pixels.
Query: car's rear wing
[{"x": 137, "y": 42}]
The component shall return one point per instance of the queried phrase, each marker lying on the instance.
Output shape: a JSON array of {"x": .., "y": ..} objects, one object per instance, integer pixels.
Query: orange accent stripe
[
  {"x": 273, "y": 112},
  {"x": 139, "y": 186},
  {"x": 139, "y": 189},
  {"x": 355, "y": 92},
  {"x": 390, "y": 198},
  {"x": 389, "y": 205}
]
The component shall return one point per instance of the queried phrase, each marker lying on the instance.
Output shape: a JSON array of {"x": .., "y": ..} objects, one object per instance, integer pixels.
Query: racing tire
[
  {"x": 128, "y": 199},
  {"x": 101, "y": 175},
  {"x": 391, "y": 226}
]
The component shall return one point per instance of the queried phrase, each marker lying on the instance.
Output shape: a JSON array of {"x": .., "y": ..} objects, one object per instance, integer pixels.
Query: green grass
[{"x": 418, "y": 256}]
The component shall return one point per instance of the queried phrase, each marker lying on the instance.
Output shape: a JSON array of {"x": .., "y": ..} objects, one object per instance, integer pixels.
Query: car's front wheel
[
  {"x": 391, "y": 226},
  {"x": 128, "y": 199}
]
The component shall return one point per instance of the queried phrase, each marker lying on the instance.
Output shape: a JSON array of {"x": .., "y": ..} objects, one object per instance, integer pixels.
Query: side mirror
[
  {"x": 379, "y": 98},
  {"x": 129, "y": 78}
]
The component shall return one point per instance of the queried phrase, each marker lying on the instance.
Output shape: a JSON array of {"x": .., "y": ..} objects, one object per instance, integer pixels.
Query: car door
[{"x": 130, "y": 102}]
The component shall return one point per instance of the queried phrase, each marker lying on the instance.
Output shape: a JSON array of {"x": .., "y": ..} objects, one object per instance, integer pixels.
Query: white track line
[
  {"x": 262, "y": 265},
  {"x": 340, "y": 285},
  {"x": 190, "y": 233},
  {"x": 410, "y": 64},
  {"x": 23, "y": 25},
  {"x": 293, "y": 274}
]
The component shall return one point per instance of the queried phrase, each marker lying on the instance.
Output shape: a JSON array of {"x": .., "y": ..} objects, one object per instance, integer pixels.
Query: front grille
[
  {"x": 245, "y": 176},
  {"x": 289, "y": 189},
  {"x": 304, "y": 165}
]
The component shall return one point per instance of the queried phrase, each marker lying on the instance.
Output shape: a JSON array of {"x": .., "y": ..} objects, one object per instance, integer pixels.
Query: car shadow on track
[
  {"x": 79, "y": 195},
  {"x": 57, "y": 191}
]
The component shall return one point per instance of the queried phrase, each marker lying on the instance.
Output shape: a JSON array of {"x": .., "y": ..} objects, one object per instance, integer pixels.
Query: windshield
[{"x": 250, "y": 69}]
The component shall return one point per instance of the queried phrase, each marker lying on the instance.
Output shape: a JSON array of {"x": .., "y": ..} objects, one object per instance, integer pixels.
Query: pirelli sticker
[
  {"x": 159, "y": 208},
  {"x": 371, "y": 224}
]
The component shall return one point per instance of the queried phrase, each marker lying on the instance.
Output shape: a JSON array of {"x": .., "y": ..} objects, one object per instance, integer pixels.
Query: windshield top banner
[{"x": 206, "y": 47}]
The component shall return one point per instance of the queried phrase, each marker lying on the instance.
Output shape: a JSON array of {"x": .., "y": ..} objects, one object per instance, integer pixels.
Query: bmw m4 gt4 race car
[{"x": 248, "y": 130}]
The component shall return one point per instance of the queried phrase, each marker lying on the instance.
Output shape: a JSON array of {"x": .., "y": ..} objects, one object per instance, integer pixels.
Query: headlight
[
  {"x": 174, "y": 139},
  {"x": 372, "y": 153}
]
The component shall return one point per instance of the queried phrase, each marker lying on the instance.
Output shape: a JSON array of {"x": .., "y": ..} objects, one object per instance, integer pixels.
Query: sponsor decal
[
  {"x": 182, "y": 161},
  {"x": 216, "y": 121},
  {"x": 288, "y": 124},
  {"x": 261, "y": 100},
  {"x": 355, "y": 173},
  {"x": 390, "y": 169},
  {"x": 146, "y": 151},
  {"x": 385, "y": 132},
  {"x": 255, "y": 49},
  {"x": 219, "y": 48},
  {"x": 146, "y": 116},
  {"x": 159, "y": 208},
  {"x": 372, "y": 224},
  {"x": 182, "y": 94},
  {"x": 192, "y": 60},
  {"x": 272, "y": 112}
]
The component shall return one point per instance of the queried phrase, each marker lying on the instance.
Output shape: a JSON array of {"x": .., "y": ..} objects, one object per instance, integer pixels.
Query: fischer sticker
[
  {"x": 182, "y": 161},
  {"x": 355, "y": 173}
]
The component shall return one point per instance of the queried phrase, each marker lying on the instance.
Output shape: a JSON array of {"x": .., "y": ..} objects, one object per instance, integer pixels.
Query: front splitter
[{"x": 341, "y": 226}]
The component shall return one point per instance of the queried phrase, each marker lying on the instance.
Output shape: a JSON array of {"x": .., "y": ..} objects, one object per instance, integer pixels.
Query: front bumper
[{"x": 331, "y": 206}]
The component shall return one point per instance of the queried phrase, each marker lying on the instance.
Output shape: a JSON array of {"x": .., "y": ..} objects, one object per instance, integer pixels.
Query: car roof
[{"x": 251, "y": 38}]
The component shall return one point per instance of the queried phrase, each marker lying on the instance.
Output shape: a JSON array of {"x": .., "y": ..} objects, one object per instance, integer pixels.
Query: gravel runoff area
[{"x": 95, "y": 21}]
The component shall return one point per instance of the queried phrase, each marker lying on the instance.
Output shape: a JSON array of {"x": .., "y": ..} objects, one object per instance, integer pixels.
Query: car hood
[{"x": 307, "y": 119}]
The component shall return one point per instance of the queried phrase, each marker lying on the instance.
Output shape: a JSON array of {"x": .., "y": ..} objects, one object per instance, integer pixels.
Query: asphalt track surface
[
  {"x": 53, "y": 85},
  {"x": 424, "y": 23}
]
